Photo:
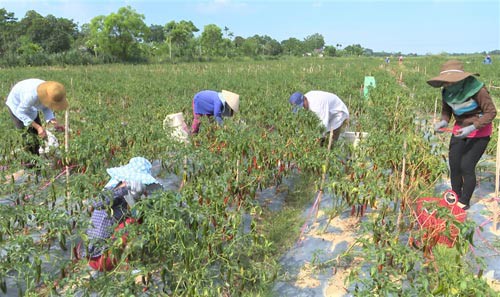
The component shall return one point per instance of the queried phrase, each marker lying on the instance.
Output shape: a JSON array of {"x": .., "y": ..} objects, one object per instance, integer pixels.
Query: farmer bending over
[
  {"x": 111, "y": 212},
  {"x": 213, "y": 103},
  {"x": 26, "y": 99},
  {"x": 328, "y": 107}
]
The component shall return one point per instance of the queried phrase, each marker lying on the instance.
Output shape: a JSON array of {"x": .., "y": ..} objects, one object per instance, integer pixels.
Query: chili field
[{"x": 209, "y": 233}]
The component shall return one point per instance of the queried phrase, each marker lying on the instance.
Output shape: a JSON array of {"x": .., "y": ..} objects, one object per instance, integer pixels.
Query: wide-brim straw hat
[
  {"x": 232, "y": 99},
  {"x": 137, "y": 170},
  {"x": 451, "y": 72},
  {"x": 53, "y": 95}
]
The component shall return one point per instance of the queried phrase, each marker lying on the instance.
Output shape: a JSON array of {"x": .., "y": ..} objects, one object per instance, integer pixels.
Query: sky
[{"x": 417, "y": 26}]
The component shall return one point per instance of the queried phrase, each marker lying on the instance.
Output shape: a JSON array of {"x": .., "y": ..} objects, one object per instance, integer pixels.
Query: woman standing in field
[
  {"x": 26, "y": 99},
  {"x": 213, "y": 103},
  {"x": 469, "y": 102}
]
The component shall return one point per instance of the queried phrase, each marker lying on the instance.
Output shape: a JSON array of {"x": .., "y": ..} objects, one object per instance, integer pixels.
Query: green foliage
[
  {"x": 314, "y": 42},
  {"x": 195, "y": 241},
  {"x": 211, "y": 40},
  {"x": 292, "y": 46},
  {"x": 117, "y": 34}
]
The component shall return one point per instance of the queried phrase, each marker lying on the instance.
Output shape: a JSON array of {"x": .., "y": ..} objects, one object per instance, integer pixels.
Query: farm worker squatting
[
  {"x": 470, "y": 103},
  {"x": 111, "y": 213},
  {"x": 26, "y": 99},
  {"x": 328, "y": 107},
  {"x": 213, "y": 103}
]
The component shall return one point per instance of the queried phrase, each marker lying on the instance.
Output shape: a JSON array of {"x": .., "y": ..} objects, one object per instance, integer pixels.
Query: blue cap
[{"x": 297, "y": 100}]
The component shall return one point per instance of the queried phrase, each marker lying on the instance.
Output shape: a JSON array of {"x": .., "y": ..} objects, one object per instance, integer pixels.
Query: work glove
[
  {"x": 465, "y": 131},
  {"x": 136, "y": 188},
  {"x": 440, "y": 125}
]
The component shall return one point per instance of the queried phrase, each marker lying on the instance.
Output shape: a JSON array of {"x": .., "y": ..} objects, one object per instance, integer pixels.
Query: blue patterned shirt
[{"x": 108, "y": 211}]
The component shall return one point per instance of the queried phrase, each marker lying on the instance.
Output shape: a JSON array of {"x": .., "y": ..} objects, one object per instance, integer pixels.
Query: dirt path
[
  {"x": 304, "y": 279},
  {"x": 318, "y": 245}
]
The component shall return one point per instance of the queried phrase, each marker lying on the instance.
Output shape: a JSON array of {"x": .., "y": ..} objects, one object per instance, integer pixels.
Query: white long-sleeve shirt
[
  {"x": 329, "y": 108},
  {"x": 24, "y": 103}
]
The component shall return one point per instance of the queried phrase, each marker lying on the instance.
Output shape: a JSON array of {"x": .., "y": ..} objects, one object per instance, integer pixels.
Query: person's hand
[
  {"x": 465, "y": 131},
  {"x": 438, "y": 126},
  {"x": 59, "y": 128},
  {"x": 42, "y": 133},
  {"x": 136, "y": 188}
]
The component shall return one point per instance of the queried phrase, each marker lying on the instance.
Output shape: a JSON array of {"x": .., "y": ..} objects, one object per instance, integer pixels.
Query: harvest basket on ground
[
  {"x": 175, "y": 124},
  {"x": 437, "y": 217}
]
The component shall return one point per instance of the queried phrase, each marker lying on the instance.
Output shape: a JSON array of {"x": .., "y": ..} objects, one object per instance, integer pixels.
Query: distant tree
[
  {"x": 27, "y": 47},
  {"x": 180, "y": 36},
  {"x": 250, "y": 47},
  {"x": 8, "y": 34},
  {"x": 272, "y": 47},
  {"x": 228, "y": 33},
  {"x": 354, "y": 50},
  {"x": 53, "y": 34},
  {"x": 313, "y": 42},
  {"x": 237, "y": 45},
  {"x": 330, "y": 51},
  {"x": 156, "y": 34},
  {"x": 367, "y": 52},
  {"x": 227, "y": 44},
  {"x": 211, "y": 40},
  {"x": 118, "y": 34},
  {"x": 292, "y": 46}
]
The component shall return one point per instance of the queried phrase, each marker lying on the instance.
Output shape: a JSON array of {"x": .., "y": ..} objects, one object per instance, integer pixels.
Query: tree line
[{"x": 124, "y": 37}]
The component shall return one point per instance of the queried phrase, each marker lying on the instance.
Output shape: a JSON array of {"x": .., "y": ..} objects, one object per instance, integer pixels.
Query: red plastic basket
[{"x": 435, "y": 228}]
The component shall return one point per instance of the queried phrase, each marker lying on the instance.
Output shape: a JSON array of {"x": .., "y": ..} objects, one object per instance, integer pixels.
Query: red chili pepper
[{"x": 450, "y": 130}]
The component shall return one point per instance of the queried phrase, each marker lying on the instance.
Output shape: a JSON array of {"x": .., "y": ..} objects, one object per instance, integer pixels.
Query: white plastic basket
[
  {"x": 354, "y": 137},
  {"x": 177, "y": 126}
]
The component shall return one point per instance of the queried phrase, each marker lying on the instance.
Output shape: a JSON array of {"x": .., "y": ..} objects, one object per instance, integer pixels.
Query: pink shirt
[{"x": 483, "y": 132}]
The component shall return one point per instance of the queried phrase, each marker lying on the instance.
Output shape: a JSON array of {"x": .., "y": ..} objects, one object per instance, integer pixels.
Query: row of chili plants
[
  {"x": 192, "y": 238},
  {"x": 192, "y": 241},
  {"x": 400, "y": 162}
]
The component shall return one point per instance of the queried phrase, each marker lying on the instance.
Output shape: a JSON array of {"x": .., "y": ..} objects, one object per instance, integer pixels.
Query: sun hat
[
  {"x": 451, "y": 71},
  {"x": 137, "y": 170},
  {"x": 232, "y": 99},
  {"x": 53, "y": 95}
]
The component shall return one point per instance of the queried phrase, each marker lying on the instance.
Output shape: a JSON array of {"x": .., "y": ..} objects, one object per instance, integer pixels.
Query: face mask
[{"x": 455, "y": 88}]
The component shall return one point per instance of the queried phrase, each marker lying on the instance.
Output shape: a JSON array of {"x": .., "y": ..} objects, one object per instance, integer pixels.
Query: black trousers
[
  {"x": 464, "y": 154},
  {"x": 30, "y": 135}
]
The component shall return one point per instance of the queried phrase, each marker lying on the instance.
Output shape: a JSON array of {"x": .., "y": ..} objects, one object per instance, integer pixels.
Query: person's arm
[
  {"x": 489, "y": 111},
  {"x": 111, "y": 197},
  {"x": 39, "y": 129},
  {"x": 218, "y": 111},
  {"x": 48, "y": 115},
  {"x": 23, "y": 110}
]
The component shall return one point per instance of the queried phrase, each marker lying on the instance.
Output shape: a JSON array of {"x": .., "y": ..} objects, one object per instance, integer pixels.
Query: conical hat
[{"x": 232, "y": 99}]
